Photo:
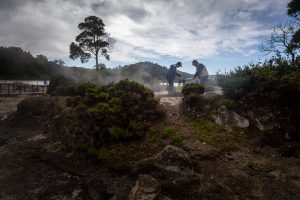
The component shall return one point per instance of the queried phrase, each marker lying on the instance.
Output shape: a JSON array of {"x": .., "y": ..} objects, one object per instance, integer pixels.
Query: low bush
[
  {"x": 193, "y": 88},
  {"x": 195, "y": 103},
  {"x": 116, "y": 112},
  {"x": 272, "y": 88}
]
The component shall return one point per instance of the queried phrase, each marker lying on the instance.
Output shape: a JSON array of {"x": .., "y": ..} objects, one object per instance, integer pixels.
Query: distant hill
[
  {"x": 148, "y": 69},
  {"x": 18, "y": 64}
]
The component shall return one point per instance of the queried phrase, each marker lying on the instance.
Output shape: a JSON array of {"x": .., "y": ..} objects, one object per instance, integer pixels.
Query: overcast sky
[{"x": 219, "y": 33}]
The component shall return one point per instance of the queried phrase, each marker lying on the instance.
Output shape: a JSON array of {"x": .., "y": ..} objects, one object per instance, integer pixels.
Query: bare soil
[{"x": 36, "y": 166}]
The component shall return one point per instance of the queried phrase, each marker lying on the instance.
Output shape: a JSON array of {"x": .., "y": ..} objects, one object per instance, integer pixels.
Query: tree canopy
[
  {"x": 294, "y": 8},
  {"x": 293, "y": 11},
  {"x": 18, "y": 64},
  {"x": 92, "y": 41}
]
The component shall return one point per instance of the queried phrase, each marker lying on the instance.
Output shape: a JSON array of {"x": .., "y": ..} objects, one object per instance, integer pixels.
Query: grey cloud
[
  {"x": 162, "y": 27},
  {"x": 107, "y": 8},
  {"x": 136, "y": 14}
]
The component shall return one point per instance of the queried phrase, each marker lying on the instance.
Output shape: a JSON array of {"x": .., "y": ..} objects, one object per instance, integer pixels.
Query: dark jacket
[{"x": 172, "y": 72}]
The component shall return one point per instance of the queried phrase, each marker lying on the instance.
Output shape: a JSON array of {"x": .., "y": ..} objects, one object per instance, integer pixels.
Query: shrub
[
  {"x": 73, "y": 101},
  {"x": 195, "y": 104},
  {"x": 116, "y": 112},
  {"x": 272, "y": 87},
  {"x": 193, "y": 88},
  {"x": 117, "y": 133}
]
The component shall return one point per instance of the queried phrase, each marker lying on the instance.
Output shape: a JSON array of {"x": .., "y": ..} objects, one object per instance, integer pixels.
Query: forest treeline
[{"x": 15, "y": 63}]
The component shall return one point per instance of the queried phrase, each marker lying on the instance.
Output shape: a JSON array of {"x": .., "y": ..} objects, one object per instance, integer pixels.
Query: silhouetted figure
[
  {"x": 201, "y": 72},
  {"x": 172, "y": 73}
]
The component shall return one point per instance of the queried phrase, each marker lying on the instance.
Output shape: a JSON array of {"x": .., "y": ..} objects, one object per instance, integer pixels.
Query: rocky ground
[{"x": 181, "y": 163}]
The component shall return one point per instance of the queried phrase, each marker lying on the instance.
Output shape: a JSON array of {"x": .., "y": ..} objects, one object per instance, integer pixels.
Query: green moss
[
  {"x": 228, "y": 102},
  {"x": 92, "y": 152},
  {"x": 212, "y": 134},
  {"x": 108, "y": 155},
  {"x": 177, "y": 139},
  {"x": 167, "y": 132}
]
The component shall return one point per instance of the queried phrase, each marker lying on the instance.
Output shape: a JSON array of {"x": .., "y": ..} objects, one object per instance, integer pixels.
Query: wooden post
[{"x": 8, "y": 88}]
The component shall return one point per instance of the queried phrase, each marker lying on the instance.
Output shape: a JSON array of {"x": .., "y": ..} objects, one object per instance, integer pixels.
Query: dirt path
[{"x": 175, "y": 119}]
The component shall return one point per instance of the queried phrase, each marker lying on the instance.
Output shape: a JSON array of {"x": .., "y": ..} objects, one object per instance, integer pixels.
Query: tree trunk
[
  {"x": 293, "y": 58},
  {"x": 97, "y": 65}
]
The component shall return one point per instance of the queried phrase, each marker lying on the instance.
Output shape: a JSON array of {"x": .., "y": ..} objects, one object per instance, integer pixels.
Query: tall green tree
[
  {"x": 92, "y": 42},
  {"x": 294, "y": 11}
]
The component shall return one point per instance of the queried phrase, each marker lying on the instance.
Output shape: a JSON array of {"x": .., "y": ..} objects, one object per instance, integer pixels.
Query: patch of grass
[
  {"x": 118, "y": 153},
  {"x": 167, "y": 132},
  {"x": 108, "y": 155},
  {"x": 154, "y": 135},
  {"x": 214, "y": 135},
  {"x": 92, "y": 152},
  {"x": 177, "y": 138}
]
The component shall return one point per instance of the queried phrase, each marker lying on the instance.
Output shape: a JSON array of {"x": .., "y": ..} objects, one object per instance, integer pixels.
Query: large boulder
[
  {"x": 229, "y": 119},
  {"x": 146, "y": 188},
  {"x": 172, "y": 159}
]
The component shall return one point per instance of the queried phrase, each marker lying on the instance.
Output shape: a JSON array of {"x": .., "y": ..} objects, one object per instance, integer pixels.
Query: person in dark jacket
[
  {"x": 172, "y": 73},
  {"x": 201, "y": 72}
]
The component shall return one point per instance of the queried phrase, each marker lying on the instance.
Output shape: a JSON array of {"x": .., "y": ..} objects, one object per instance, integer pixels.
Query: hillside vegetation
[{"x": 18, "y": 64}]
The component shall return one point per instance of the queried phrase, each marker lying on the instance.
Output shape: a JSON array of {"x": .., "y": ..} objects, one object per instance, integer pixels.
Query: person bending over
[{"x": 201, "y": 72}]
